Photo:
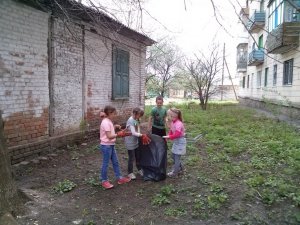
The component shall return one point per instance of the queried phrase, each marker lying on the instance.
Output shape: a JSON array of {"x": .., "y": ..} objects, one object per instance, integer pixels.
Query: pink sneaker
[
  {"x": 107, "y": 185},
  {"x": 124, "y": 180}
]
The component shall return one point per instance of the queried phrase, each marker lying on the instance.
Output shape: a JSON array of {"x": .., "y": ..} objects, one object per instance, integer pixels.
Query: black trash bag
[{"x": 153, "y": 158}]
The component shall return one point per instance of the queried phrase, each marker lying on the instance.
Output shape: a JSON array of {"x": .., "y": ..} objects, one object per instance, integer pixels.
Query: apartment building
[{"x": 268, "y": 60}]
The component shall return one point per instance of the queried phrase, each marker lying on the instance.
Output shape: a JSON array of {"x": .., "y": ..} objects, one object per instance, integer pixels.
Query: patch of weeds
[
  {"x": 193, "y": 160},
  {"x": 255, "y": 181},
  {"x": 167, "y": 190},
  {"x": 262, "y": 162},
  {"x": 140, "y": 192},
  {"x": 202, "y": 179},
  {"x": 91, "y": 222},
  {"x": 220, "y": 157},
  {"x": 92, "y": 181},
  {"x": 238, "y": 215},
  {"x": 176, "y": 212},
  {"x": 84, "y": 212},
  {"x": 295, "y": 198},
  {"x": 159, "y": 200},
  {"x": 192, "y": 148},
  {"x": 163, "y": 197},
  {"x": 231, "y": 170},
  {"x": 199, "y": 208},
  {"x": 268, "y": 196},
  {"x": 64, "y": 186},
  {"x": 75, "y": 155},
  {"x": 217, "y": 198},
  {"x": 199, "y": 203},
  {"x": 215, "y": 201}
]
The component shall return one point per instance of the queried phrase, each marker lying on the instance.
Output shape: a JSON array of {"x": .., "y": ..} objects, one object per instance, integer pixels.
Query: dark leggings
[{"x": 131, "y": 155}]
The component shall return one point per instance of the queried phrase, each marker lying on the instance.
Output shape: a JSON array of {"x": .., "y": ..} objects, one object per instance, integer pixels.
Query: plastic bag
[{"x": 153, "y": 158}]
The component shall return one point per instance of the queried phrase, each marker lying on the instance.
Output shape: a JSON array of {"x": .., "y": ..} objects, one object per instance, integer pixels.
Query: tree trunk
[{"x": 8, "y": 191}]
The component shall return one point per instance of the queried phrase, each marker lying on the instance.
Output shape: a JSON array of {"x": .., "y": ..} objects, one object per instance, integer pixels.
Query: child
[
  {"x": 158, "y": 118},
  {"x": 177, "y": 134},
  {"x": 107, "y": 145},
  {"x": 132, "y": 142}
]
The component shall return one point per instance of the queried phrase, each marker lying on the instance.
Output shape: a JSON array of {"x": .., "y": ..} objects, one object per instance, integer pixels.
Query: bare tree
[
  {"x": 8, "y": 196},
  {"x": 202, "y": 73},
  {"x": 163, "y": 60}
]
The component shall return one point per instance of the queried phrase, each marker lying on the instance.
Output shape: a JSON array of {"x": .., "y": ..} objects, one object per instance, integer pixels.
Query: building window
[
  {"x": 120, "y": 76},
  {"x": 258, "y": 79},
  {"x": 244, "y": 78},
  {"x": 288, "y": 72},
  {"x": 261, "y": 42},
  {"x": 248, "y": 81},
  {"x": 275, "y": 14},
  {"x": 266, "y": 77},
  {"x": 274, "y": 75}
]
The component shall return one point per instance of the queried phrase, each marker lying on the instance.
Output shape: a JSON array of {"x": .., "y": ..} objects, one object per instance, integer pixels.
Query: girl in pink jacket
[{"x": 177, "y": 135}]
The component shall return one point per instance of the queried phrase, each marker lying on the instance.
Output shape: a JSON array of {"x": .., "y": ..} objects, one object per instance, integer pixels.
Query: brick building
[{"x": 59, "y": 66}]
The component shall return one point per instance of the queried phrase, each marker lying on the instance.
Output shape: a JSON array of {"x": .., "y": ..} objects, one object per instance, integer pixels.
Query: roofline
[{"x": 78, "y": 10}]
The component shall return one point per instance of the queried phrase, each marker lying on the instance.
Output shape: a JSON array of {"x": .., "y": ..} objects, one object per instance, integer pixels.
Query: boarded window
[{"x": 120, "y": 77}]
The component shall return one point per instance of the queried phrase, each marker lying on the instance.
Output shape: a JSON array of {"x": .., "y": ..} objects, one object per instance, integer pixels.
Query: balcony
[
  {"x": 256, "y": 22},
  {"x": 284, "y": 38},
  {"x": 256, "y": 57}
]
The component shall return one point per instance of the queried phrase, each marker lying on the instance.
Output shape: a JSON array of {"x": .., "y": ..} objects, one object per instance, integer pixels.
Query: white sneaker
[
  {"x": 132, "y": 176},
  {"x": 141, "y": 172},
  {"x": 172, "y": 174}
]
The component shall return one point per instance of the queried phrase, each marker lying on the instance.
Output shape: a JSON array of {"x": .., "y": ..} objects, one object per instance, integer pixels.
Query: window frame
[
  {"x": 120, "y": 73},
  {"x": 266, "y": 77},
  {"x": 275, "y": 75},
  {"x": 275, "y": 17},
  {"x": 287, "y": 78},
  {"x": 258, "y": 79}
]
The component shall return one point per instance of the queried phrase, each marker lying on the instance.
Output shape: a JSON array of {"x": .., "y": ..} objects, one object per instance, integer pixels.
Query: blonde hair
[{"x": 177, "y": 112}]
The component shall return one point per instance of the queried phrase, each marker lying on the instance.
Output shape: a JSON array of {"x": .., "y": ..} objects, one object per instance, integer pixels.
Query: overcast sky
[{"x": 191, "y": 24}]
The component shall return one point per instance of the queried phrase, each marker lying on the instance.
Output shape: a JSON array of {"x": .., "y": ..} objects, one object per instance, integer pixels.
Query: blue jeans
[{"x": 109, "y": 153}]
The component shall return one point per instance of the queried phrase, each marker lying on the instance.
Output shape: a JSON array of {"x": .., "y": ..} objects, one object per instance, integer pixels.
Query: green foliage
[
  {"x": 176, "y": 212},
  {"x": 163, "y": 197},
  {"x": 64, "y": 186},
  {"x": 250, "y": 154},
  {"x": 256, "y": 180},
  {"x": 167, "y": 190},
  {"x": 92, "y": 181},
  {"x": 160, "y": 199},
  {"x": 91, "y": 222}
]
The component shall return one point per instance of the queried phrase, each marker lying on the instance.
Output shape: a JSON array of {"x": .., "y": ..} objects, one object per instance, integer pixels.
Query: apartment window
[
  {"x": 258, "y": 79},
  {"x": 288, "y": 72},
  {"x": 275, "y": 14},
  {"x": 261, "y": 42},
  {"x": 248, "y": 81},
  {"x": 274, "y": 75},
  {"x": 262, "y": 5},
  {"x": 266, "y": 77},
  {"x": 120, "y": 76},
  {"x": 243, "y": 84}
]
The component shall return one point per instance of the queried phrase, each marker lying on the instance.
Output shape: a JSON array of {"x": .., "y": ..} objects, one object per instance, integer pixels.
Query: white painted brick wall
[
  {"x": 23, "y": 57},
  {"x": 67, "y": 77},
  {"x": 98, "y": 69}
]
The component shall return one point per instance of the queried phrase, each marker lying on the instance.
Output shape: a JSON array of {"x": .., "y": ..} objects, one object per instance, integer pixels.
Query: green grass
[{"x": 245, "y": 159}]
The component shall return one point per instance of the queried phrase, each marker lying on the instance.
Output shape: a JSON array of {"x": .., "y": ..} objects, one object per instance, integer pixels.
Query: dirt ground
[{"x": 87, "y": 203}]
